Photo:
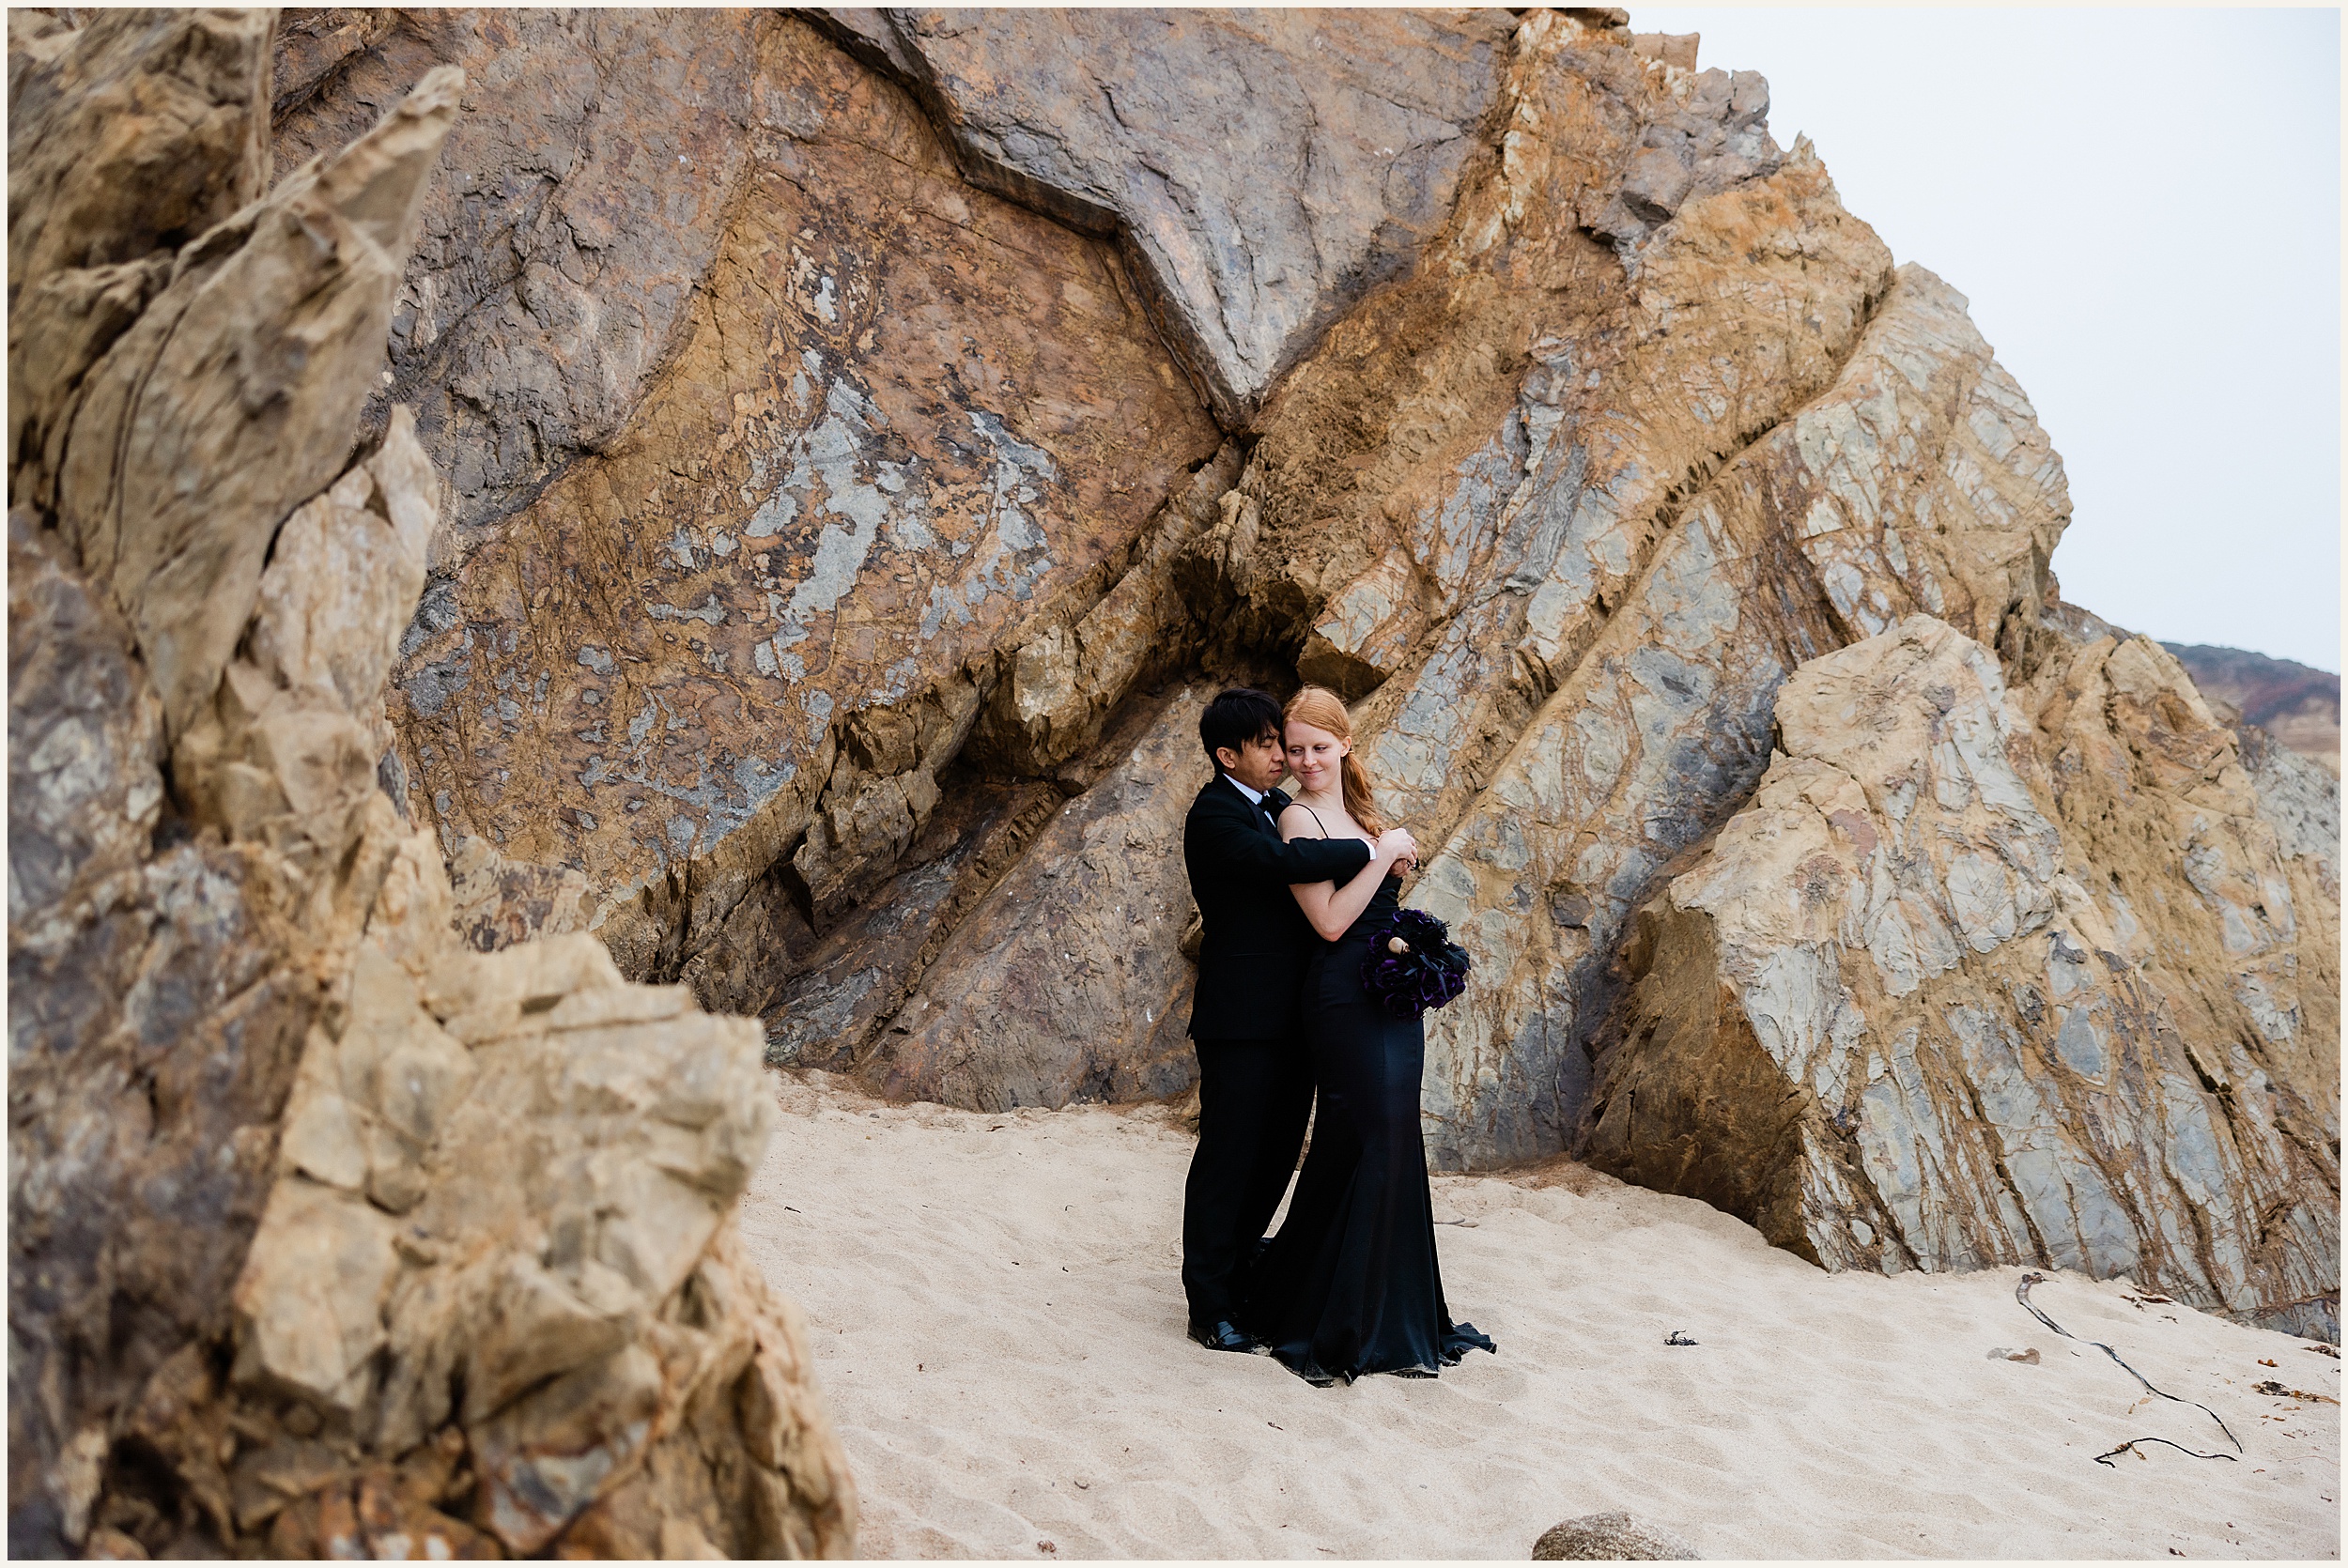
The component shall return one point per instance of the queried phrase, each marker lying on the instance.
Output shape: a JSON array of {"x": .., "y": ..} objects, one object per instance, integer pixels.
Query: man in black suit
[{"x": 1255, "y": 1080}]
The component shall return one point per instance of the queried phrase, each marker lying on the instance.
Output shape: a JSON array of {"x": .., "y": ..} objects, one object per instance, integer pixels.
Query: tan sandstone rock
[
  {"x": 129, "y": 134},
  {"x": 836, "y": 452},
  {"x": 1919, "y": 1006},
  {"x": 208, "y": 380},
  {"x": 269, "y": 1117},
  {"x": 126, "y": 138},
  {"x": 1615, "y": 1537}
]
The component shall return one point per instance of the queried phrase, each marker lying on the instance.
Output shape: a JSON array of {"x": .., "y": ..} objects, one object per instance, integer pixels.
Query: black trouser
[{"x": 1254, "y": 1099}]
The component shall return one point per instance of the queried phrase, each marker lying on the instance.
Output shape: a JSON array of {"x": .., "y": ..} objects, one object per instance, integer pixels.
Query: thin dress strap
[{"x": 1317, "y": 821}]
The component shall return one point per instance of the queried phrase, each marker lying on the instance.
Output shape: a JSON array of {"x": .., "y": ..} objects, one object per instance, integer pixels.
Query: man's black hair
[{"x": 1234, "y": 718}]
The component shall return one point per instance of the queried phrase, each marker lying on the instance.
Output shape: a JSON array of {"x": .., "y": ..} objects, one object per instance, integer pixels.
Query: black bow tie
[{"x": 1274, "y": 803}]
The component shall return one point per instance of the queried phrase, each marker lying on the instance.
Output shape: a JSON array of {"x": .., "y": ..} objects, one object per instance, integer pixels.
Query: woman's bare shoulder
[{"x": 1296, "y": 822}]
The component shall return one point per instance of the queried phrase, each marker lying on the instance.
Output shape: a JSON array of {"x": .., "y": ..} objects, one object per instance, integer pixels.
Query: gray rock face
[
  {"x": 86, "y": 735},
  {"x": 1907, "y": 1012},
  {"x": 1268, "y": 168},
  {"x": 1067, "y": 983},
  {"x": 825, "y": 1000},
  {"x": 1716, "y": 135},
  {"x": 592, "y": 172},
  {"x": 1799, "y": 545},
  {"x": 1611, "y": 1538}
]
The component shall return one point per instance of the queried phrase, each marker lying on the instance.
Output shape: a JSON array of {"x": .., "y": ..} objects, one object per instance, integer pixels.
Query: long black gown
[{"x": 1349, "y": 1287}]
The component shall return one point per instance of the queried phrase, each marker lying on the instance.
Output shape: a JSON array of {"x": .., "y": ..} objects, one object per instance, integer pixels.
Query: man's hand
[{"x": 1397, "y": 846}]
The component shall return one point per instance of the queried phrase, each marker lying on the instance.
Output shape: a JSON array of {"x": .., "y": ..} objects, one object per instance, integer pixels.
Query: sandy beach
[{"x": 997, "y": 1327}]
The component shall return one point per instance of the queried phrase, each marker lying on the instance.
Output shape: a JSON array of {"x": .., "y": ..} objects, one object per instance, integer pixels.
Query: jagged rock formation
[
  {"x": 1798, "y": 544},
  {"x": 1921, "y": 1006},
  {"x": 1265, "y": 169},
  {"x": 328, "y": 1234},
  {"x": 554, "y": 272},
  {"x": 1512, "y": 380},
  {"x": 918, "y": 418},
  {"x": 830, "y": 455},
  {"x": 2293, "y": 703}
]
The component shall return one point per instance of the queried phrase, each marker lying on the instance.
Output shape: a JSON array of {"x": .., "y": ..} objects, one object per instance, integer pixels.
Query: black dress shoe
[{"x": 1221, "y": 1334}]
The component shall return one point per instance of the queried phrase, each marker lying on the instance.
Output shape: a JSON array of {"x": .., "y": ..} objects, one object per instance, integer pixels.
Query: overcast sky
[{"x": 2143, "y": 207}]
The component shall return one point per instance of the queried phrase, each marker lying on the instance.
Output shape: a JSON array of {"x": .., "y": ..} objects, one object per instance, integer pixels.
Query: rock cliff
[
  {"x": 654, "y": 512},
  {"x": 1033, "y": 373},
  {"x": 329, "y": 1235}
]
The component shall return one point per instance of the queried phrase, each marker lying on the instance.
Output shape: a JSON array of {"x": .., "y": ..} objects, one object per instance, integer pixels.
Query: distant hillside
[{"x": 2299, "y": 706}]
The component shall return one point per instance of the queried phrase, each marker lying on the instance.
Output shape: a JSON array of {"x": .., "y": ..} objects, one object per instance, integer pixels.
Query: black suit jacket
[{"x": 1251, "y": 964}]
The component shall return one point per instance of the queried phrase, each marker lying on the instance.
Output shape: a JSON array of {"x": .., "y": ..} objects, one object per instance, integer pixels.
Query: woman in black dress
[{"x": 1350, "y": 1286}]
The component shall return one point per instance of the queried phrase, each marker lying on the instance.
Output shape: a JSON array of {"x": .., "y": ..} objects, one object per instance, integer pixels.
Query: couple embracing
[{"x": 1293, "y": 895}]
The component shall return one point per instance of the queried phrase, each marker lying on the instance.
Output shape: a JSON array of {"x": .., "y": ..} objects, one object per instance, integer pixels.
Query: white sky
[{"x": 2143, "y": 207}]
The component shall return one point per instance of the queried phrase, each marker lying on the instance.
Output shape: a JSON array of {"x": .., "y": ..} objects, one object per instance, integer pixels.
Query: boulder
[
  {"x": 1614, "y": 1537},
  {"x": 505, "y": 1178},
  {"x": 323, "y": 1228},
  {"x": 1985, "y": 976}
]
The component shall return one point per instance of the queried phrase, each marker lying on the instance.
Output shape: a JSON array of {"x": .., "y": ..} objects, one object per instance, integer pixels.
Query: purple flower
[{"x": 1432, "y": 972}]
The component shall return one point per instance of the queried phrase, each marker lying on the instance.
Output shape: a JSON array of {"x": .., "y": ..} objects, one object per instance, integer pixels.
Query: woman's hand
[{"x": 1396, "y": 847}]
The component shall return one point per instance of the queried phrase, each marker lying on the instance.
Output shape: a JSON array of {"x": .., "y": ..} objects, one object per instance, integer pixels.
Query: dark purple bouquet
[{"x": 1414, "y": 965}]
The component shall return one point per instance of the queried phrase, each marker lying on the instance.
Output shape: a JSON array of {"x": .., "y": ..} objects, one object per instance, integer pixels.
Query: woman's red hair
[{"x": 1324, "y": 710}]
